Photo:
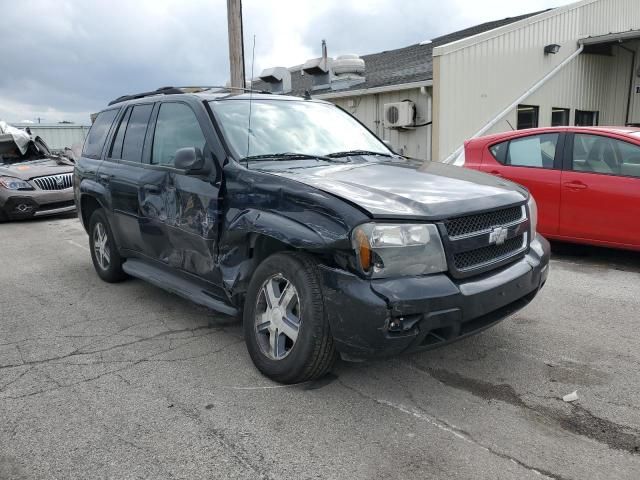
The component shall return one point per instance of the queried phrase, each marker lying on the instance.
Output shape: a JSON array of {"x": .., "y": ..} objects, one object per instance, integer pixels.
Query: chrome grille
[
  {"x": 460, "y": 226},
  {"x": 485, "y": 255},
  {"x": 478, "y": 243},
  {"x": 55, "y": 182}
]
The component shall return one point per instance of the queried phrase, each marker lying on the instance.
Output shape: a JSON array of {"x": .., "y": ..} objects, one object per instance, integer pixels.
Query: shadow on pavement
[{"x": 587, "y": 255}]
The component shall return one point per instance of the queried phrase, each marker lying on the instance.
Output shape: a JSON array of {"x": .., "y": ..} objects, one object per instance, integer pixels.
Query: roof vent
[
  {"x": 348, "y": 64},
  {"x": 348, "y": 71},
  {"x": 320, "y": 72},
  {"x": 279, "y": 79},
  {"x": 319, "y": 69}
]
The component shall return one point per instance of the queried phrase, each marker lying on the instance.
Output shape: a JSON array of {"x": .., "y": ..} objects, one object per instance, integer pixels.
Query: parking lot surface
[{"x": 127, "y": 381}]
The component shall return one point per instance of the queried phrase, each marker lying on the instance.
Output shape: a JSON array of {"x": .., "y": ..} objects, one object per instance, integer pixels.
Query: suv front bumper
[{"x": 383, "y": 317}]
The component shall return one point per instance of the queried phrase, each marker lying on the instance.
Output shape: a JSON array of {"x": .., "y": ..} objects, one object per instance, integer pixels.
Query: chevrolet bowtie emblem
[{"x": 498, "y": 235}]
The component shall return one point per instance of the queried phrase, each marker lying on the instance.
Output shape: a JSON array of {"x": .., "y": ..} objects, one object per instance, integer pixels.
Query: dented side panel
[
  {"x": 261, "y": 205},
  {"x": 179, "y": 221}
]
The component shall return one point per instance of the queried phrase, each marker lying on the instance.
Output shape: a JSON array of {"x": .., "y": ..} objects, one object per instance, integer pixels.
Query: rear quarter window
[
  {"x": 98, "y": 134},
  {"x": 499, "y": 151}
]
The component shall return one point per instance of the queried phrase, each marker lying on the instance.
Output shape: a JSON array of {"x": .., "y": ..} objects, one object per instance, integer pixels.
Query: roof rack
[{"x": 179, "y": 90}]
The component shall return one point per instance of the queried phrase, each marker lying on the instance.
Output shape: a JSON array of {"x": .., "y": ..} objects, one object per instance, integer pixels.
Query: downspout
[
  {"x": 629, "y": 93},
  {"x": 451, "y": 158}
]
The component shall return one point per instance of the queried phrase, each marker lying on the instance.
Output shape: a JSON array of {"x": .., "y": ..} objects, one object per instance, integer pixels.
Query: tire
[
  {"x": 106, "y": 260},
  {"x": 312, "y": 354}
]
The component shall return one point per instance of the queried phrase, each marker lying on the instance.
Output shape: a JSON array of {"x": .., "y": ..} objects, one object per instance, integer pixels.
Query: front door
[
  {"x": 186, "y": 205},
  {"x": 601, "y": 191}
]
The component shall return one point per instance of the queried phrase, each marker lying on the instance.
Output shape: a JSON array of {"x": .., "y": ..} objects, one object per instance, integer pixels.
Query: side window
[
  {"x": 499, "y": 151},
  {"x": 116, "y": 148},
  {"x": 98, "y": 133},
  {"x": 597, "y": 154},
  {"x": 629, "y": 155},
  {"x": 593, "y": 153},
  {"x": 177, "y": 127},
  {"x": 537, "y": 151},
  {"x": 136, "y": 130}
]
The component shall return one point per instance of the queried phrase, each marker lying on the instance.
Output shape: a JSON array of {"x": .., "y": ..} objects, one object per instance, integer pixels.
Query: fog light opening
[{"x": 404, "y": 323}]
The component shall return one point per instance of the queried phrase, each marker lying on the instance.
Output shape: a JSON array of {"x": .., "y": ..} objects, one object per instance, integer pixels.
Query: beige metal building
[
  {"x": 592, "y": 79},
  {"x": 573, "y": 65}
]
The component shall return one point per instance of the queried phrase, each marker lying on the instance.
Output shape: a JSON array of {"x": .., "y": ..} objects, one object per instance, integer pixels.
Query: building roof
[{"x": 403, "y": 65}]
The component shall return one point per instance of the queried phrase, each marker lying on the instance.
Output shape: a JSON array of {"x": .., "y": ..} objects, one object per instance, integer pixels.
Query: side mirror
[
  {"x": 389, "y": 146},
  {"x": 189, "y": 159}
]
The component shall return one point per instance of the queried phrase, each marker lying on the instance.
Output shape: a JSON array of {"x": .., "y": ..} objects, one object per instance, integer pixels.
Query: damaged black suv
[{"x": 290, "y": 213}]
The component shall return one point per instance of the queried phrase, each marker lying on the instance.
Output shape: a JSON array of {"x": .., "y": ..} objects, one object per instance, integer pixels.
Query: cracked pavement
[{"x": 127, "y": 381}]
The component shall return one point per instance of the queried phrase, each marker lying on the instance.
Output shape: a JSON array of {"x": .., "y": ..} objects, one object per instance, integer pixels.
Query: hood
[
  {"x": 36, "y": 168},
  {"x": 397, "y": 190}
]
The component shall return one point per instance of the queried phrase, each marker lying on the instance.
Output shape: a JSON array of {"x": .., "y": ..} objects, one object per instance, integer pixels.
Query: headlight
[
  {"x": 533, "y": 215},
  {"x": 388, "y": 250},
  {"x": 12, "y": 183}
]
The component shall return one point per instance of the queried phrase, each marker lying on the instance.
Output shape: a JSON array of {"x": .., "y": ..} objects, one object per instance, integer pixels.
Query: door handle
[
  {"x": 150, "y": 188},
  {"x": 575, "y": 185},
  {"x": 496, "y": 172},
  {"x": 104, "y": 178}
]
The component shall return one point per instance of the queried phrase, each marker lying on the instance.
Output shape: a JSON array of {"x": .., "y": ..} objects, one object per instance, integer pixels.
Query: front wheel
[
  {"x": 285, "y": 328},
  {"x": 104, "y": 252}
]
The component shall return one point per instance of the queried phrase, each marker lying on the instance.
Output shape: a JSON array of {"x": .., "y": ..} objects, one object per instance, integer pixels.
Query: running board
[{"x": 174, "y": 283}]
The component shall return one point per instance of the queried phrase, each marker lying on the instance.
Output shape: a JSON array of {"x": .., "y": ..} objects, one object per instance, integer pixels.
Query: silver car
[{"x": 33, "y": 181}]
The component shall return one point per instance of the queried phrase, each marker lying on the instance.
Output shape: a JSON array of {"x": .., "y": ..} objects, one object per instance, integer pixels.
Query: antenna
[{"x": 253, "y": 57}]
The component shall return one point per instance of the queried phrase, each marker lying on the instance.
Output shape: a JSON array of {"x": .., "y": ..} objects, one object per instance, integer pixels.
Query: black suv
[{"x": 290, "y": 213}]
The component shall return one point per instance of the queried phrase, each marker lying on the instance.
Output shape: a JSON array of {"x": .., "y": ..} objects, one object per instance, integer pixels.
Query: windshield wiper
[
  {"x": 357, "y": 152},
  {"x": 287, "y": 156}
]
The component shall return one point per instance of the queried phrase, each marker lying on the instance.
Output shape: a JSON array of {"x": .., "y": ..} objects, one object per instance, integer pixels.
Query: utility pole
[{"x": 236, "y": 43}]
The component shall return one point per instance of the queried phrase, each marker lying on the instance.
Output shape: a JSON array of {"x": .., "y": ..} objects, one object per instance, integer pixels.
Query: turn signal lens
[{"x": 364, "y": 249}]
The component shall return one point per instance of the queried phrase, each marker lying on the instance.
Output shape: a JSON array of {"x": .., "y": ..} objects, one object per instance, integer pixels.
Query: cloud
[{"x": 63, "y": 59}]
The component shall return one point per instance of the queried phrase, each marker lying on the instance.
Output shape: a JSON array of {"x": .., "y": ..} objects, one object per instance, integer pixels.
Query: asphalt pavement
[{"x": 127, "y": 381}]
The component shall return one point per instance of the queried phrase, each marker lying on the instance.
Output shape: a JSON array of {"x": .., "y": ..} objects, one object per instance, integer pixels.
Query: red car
[{"x": 586, "y": 180}]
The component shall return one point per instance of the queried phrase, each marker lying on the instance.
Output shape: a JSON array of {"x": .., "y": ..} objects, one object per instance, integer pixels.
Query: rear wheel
[
  {"x": 285, "y": 328},
  {"x": 104, "y": 252}
]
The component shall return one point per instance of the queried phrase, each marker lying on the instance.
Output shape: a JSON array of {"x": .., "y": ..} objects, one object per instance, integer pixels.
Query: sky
[{"x": 64, "y": 59}]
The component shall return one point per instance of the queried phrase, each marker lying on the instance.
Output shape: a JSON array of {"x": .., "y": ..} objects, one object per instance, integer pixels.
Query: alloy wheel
[
  {"x": 278, "y": 316},
  {"x": 101, "y": 246}
]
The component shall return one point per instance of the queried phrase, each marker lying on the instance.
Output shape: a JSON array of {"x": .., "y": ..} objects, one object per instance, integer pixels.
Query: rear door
[
  {"x": 601, "y": 190},
  {"x": 533, "y": 161},
  {"x": 185, "y": 205},
  {"x": 123, "y": 172}
]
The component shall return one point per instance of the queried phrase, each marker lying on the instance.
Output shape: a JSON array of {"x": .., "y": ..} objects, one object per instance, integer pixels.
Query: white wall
[
  {"x": 57, "y": 136},
  {"x": 369, "y": 109},
  {"x": 476, "y": 78}
]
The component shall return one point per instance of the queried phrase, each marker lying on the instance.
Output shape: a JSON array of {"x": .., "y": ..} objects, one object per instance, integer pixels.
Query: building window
[
  {"x": 527, "y": 116},
  {"x": 585, "y": 118},
  {"x": 559, "y": 117}
]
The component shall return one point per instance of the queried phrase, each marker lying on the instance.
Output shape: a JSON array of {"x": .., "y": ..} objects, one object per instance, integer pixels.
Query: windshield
[{"x": 289, "y": 126}]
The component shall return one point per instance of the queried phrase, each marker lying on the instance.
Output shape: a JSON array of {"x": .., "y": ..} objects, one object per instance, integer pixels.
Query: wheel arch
[
  {"x": 255, "y": 236},
  {"x": 88, "y": 205}
]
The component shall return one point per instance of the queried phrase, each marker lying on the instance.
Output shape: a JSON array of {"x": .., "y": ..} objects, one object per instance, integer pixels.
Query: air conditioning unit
[{"x": 399, "y": 114}]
